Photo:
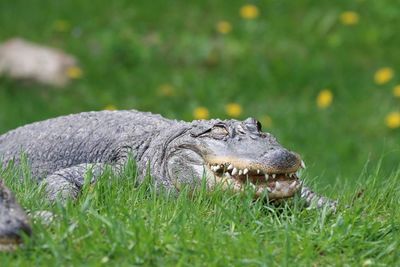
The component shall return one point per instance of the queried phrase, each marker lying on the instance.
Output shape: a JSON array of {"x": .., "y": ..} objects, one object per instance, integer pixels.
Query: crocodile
[{"x": 230, "y": 154}]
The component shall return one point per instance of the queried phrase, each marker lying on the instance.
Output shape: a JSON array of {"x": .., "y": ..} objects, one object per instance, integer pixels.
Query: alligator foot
[
  {"x": 45, "y": 217},
  {"x": 67, "y": 183},
  {"x": 314, "y": 200}
]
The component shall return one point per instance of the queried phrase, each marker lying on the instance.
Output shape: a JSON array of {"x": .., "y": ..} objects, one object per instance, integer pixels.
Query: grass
[
  {"x": 275, "y": 66},
  {"x": 115, "y": 222}
]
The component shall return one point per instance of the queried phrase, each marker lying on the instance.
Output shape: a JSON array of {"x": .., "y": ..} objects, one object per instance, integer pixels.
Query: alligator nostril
[
  {"x": 281, "y": 159},
  {"x": 290, "y": 157}
]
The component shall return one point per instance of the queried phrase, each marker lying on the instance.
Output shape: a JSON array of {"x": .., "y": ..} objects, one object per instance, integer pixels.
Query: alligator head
[
  {"x": 233, "y": 154},
  {"x": 13, "y": 221}
]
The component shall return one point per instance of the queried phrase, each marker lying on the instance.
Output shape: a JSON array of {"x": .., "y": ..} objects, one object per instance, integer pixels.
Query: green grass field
[{"x": 173, "y": 57}]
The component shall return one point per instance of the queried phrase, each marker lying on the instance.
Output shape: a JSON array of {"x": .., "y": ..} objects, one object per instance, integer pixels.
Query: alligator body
[
  {"x": 13, "y": 220},
  {"x": 230, "y": 153}
]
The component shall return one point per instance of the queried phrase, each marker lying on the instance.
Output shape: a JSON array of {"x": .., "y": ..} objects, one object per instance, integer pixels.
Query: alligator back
[{"x": 79, "y": 138}]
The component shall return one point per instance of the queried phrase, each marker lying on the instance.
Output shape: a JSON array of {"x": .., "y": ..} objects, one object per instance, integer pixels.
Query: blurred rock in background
[{"x": 24, "y": 60}]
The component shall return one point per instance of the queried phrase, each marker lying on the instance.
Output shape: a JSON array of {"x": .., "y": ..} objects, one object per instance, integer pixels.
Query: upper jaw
[{"x": 274, "y": 163}]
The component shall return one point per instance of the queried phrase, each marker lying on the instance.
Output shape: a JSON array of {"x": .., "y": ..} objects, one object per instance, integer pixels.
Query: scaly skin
[
  {"x": 231, "y": 153},
  {"x": 13, "y": 220}
]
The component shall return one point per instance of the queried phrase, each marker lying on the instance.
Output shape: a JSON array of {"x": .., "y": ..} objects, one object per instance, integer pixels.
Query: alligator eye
[{"x": 219, "y": 131}]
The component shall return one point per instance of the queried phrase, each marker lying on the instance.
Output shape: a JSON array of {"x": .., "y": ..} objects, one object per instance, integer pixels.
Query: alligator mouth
[{"x": 275, "y": 185}]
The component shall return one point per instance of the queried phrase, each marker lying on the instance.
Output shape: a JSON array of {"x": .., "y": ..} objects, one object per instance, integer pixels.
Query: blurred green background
[{"x": 319, "y": 75}]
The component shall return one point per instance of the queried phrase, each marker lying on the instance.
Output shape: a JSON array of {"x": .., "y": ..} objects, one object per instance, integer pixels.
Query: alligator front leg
[
  {"x": 67, "y": 183},
  {"x": 311, "y": 198}
]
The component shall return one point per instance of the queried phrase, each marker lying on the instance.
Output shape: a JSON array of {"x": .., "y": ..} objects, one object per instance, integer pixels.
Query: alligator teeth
[
  {"x": 230, "y": 167},
  {"x": 266, "y": 176},
  {"x": 240, "y": 172},
  {"x": 269, "y": 190},
  {"x": 273, "y": 176},
  {"x": 214, "y": 168},
  {"x": 258, "y": 171},
  {"x": 293, "y": 185},
  {"x": 278, "y": 185},
  {"x": 234, "y": 171},
  {"x": 245, "y": 171},
  {"x": 303, "y": 165},
  {"x": 226, "y": 174}
]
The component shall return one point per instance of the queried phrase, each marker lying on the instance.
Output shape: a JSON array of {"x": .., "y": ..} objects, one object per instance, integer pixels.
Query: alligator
[
  {"x": 230, "y": 154},
  {"x": 14, "y": 222}
]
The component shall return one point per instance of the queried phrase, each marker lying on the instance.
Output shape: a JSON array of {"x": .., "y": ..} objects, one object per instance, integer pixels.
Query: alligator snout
[{"x": 281, "y": 161}]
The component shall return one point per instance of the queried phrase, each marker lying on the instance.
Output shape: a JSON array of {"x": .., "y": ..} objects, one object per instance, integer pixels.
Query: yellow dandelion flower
[
  {"x": 266, "y": 121},
  {"x": 110, "y": 107},
  {"x": 201, "y": 113},
  {"x": 166, "y": 90},
  {"x": 61, "y": 25},
  {"x": 349, "y": 18},
  {"x": 233, "y": 109},
  {"x": 249, "y": 11},
  {"x": 74, "y": 72},
  {"x": 396, "y": 91},
  {"x": 393, "y": 120},
  {"x": 383, "y": 75},
  {"x": 223, "y": 27},
  {"x": 324, "y": 99}
]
